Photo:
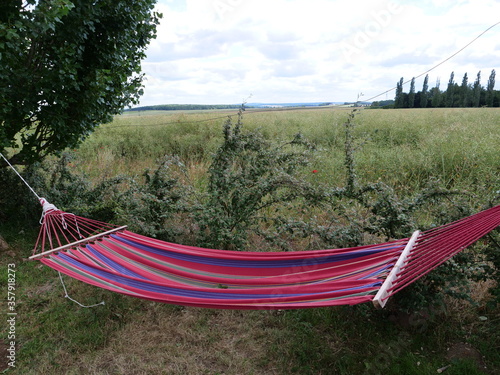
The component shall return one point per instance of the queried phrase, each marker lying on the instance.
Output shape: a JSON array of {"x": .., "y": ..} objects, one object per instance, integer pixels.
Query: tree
[
  {"x": 399, "y": 100},
  {"x": 436, "y": 95},
  {"x": 450, "y": 91},
  {"x": 464, "y": 91},
  {"x": 66, "y": 67},
  {"x": 424, "y": 94},
  {"x": 496, "y": 99},
  {"x": 476, "y": 90},
  {"x": 490, "y": 94},
  {"x": 411, "y": 95}
]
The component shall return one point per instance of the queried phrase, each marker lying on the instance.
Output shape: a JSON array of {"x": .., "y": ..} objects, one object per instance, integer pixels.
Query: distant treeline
[
  {"x": 187, "y": 107},
  {"x": 184, "y": 107},
  {"x": 456, "y": 95},
  {"x": 383, "y": 104}
]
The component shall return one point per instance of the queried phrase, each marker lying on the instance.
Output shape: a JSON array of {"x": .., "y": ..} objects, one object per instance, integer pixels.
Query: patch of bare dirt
[
  {"x": 41, "y": 289},
  {"x": 462, "y": 350},
  {"x": 184, "y": 341},
  {"x": 3, "y": 357},
  {"x": 4, "y": 246},
  {"x": 7, "y": 356}
]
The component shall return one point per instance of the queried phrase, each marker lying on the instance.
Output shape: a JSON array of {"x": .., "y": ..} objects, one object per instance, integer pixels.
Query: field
[
  {"x": 403, "y": 148},
  {"x": 451, "y": 153}
]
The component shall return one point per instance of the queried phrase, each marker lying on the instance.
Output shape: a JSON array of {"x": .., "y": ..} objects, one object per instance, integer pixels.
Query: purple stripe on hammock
[{"x": 190, "y": 293}]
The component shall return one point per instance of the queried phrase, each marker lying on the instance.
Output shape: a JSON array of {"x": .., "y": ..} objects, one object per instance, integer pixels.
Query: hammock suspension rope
[{"x": 47, "y": 207}]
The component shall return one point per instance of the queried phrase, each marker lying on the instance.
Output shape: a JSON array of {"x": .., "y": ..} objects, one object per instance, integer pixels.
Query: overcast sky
[{"x": 225, "y": 51}]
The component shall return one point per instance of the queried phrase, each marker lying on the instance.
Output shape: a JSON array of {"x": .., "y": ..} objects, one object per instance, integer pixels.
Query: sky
[{"x": 286, "y": 51}]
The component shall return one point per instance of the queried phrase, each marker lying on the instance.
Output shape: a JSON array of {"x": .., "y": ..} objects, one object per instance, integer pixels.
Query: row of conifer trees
[{"x": 456, "y": 95}]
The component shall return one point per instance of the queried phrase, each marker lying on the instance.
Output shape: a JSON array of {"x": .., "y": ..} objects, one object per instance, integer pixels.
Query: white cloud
[{"x": 221, "y": 51}]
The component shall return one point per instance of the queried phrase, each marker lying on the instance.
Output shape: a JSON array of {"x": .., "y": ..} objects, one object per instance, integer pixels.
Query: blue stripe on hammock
[
  {"x": 165, "y": 290},
  {"x": 114, "y": 265},
  {"x": 244, "y": 263}
]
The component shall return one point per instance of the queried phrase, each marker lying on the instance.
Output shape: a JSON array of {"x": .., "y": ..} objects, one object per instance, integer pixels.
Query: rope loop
[{"x": 75, "y": 301}]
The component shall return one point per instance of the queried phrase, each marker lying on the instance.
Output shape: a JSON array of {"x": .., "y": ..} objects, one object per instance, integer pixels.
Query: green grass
[{"x": 403, "y": 148}]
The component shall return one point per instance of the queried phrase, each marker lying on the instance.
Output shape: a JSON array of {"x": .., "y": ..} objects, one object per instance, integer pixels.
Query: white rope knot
[{"x": 47, "y": 207}]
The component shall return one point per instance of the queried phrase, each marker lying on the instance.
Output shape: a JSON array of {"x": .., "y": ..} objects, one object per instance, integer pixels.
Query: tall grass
[{"x": 404, "y": 148}]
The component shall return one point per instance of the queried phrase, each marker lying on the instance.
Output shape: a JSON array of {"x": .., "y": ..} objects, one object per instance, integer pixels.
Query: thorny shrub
[{"x": 251, "y": 180}]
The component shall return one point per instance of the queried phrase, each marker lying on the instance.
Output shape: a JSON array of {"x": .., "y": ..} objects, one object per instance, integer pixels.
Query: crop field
[
  {"x": 361, "y": 162},
  {"x": 402, "y": 147}
]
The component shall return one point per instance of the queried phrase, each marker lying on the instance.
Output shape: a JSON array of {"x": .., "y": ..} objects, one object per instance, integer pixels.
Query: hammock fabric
[{"x": 116, "y": 259}]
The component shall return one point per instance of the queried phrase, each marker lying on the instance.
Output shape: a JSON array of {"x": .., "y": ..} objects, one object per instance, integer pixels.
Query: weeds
[
  {"x": 249, "y": 177},
  {"x": 151, "y": 205}
]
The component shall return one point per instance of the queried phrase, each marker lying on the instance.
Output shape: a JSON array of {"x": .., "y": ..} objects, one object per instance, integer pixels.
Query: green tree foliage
[
  {"x": 411, "y": 96},
  {"x": 490, "y": 94},
  {"x": 450, "y": 92},
  {"x": 67, "y": 66},
  {"x": 436, "y": 95},
  {"x": 464, "y": 95},
  {"x": 425, "y": 92},
  {"x": 383, "y": 104},
  {"x": 464, "y": 91},
  {"x": 399, "y": 101},
  {"x": 476, "y": 90}
]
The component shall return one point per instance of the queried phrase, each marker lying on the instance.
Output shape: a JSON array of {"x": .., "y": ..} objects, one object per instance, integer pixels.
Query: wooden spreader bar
[{"x": 79, "y": 242}]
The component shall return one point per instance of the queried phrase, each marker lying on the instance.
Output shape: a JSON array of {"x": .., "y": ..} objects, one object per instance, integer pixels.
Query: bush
[
  {"x": 250, "y": 180},
  {"x": 150, "y": 206}
]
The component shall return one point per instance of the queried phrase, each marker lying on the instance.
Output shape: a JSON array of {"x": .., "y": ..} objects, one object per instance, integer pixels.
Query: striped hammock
[{"x": 116, "y": 259}]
